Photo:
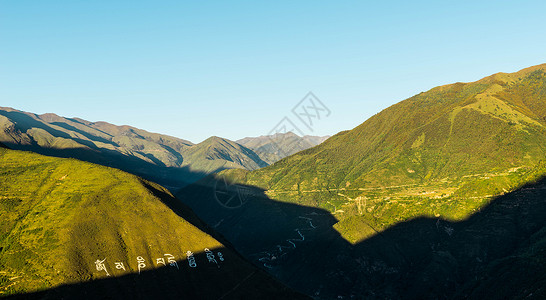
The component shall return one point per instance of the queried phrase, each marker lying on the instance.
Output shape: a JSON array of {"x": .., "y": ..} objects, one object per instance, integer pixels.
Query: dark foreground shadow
[
  {"x": 231, "y": 278},
  {"x": 498, "y": 253},
  {"x": 219, "y": 273},
  {"x": 296, "y": 244}
]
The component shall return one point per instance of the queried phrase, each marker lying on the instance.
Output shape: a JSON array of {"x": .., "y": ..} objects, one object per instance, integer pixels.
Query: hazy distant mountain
[
  {"x": 215, "y": 154},
  {"x": 272, "y": 148},
  {"x": 164, "y": 159},
  {"x": 71, "y": 229},
  {"x": 439, "y": 196}
]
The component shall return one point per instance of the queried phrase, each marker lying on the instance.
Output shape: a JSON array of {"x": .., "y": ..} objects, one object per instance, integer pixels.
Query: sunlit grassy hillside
[
  {"x": 59, "y": 216},
  {"x": 442, "y": 153}
]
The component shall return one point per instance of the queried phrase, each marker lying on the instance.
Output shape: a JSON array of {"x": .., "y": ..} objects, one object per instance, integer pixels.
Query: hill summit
[{"x": 445, "y": 151}]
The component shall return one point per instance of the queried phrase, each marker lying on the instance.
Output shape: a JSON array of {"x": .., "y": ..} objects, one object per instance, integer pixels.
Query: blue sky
[{"x": 194, "y": 69}]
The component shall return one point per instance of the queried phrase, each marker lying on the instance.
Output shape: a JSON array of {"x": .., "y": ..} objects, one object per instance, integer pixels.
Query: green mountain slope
[
  {"x": 169, "y": 161},
  {"x": 440, "y": 196},
  {"x": 272, "y": 148},
  {"x": 61, "y": 219},
  {"x": 497, "y": 253},
  {"x": 444, "y": 152}
]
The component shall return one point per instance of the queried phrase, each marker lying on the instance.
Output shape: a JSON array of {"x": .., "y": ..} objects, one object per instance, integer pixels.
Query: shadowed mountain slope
[
  {"x": 432, "y": 198},
  {"x": 74, "y": 229},
  {"x": 169, "y": 161},
  {"x": 497, "y": 253},
  {"x": 445, "y": 152}
]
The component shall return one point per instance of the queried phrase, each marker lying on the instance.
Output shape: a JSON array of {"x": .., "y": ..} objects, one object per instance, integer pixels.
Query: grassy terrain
[
  {"x": 442, "y": 153},
  {"x": 440, "y": 196},
  {"x": 59, "y": 216}
]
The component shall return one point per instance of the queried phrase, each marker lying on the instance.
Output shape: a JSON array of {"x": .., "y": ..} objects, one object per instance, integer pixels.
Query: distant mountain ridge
[
  {"x": 272, "y": 148},
  {"x": 170, "y": 161},
  {"x": 216, "y": 154}
]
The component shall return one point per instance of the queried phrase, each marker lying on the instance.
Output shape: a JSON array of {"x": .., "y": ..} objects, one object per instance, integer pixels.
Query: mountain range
[
  {"x": 170, "y": 161},
  {"x": 272, "y": 148},
  {"x": 438, "y": 196}
]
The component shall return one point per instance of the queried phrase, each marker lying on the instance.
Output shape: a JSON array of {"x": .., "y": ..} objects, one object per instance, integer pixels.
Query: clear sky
[{"x": 194, "y": 69}]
